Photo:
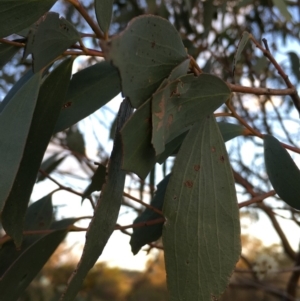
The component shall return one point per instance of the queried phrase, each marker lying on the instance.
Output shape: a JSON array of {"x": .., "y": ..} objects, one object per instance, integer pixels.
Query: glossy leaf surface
[
  {"x": 201, "y": 234},
  {"x": 15, "y": 121},
  {"x": 145, "y": 54},
  {"x": 49, "y": 103},
  {"x": 283, "y": 173},
  {"x": 89, "y": 90},
  {"x": 16, "y": 15}
]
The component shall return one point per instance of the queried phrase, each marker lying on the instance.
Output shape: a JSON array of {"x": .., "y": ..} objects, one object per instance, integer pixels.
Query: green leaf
[
  {"x": 19, "y": 275},
  {"x": 106, "y": 213},
  {"x": 208, "y": 14},
  {"x": 75, "y": 141},
  {"x": 242, "y": 44},
  {"x": 97, "y": 182},
  {"x": 89, "y": 90},
  {"x": 145, "y": 54},
  {"x": 6, "y": 53},
  {"x": 39, "y": 215},
  {"x": 15, "y": 89},
  {"x": 49, "y": 165},
  {"x": 295, "y": 64},
  {"x": 182, "y": 103},
  {"x": 49, "y": 103},
  {"x": 15, "y": 120},
  {"x": 281, "y": 5},
  {"x": 51, "y": 36},
  {"x": 144, "y": 235},
  {"x": 138, "y": 152},
  {"x": 201, "y": 235},
  {"x": 230, "y": 130},
  {"x": 283, "y": 173},
  {"x": 16, "y": 15},
  {"x": 104, "y": 9}
]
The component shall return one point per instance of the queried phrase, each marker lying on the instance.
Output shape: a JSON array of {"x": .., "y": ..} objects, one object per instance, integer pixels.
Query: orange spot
[
  {"x": 196, "y": 167},
  {"x": 188, "y": 184},
  {"x": 213, "y": 149}
]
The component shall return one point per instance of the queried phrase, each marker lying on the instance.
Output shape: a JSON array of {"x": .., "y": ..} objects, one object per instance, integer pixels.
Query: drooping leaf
[
  {"x": 295, "y": 64},
  {"x": 16, "y": 15},
  {"x": 283, "y": 173},
  {"x": 138, "y": 152},
  {"x": 281, "y": 5},
  {"x": 89, "y": 90},
  {"x": 97, "y": 182},
  {"x": 242, "y": 44},
  {"x": 16, "y": 87},
  {"x": 15, "y": 120},
  {"x": 182, "y": 103},
  {"x": 6, "y": 53},
  {"x": 145, "y": 54},
  {"x": 144, "y": 235},
  {"x": 51, "y": 37},
  {"x": 50, "y": 165},
  {"x": 208, "y": 14},
  {"x": 75, "y": 141},
  {"x": 49, "y": 103},
  {"x": 106, "y": 213},
  {"x": 201, "y": 235},
  {"x": 19, "y": 275},
  {"x": 103, "y": 9},
  {"x": 38, "y": 217}
]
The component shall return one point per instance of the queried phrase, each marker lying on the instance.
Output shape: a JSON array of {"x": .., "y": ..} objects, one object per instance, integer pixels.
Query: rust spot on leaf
[
  {"x": 67, "y": 105},
  {"x": 222, "y": 159},
  {"x": 160, "y": 115},
  {"x": 196, "y": 167},
  {"x": 188, "y": 184},
  {"x": 179, "y": 108},
  {"x": 153, "y": 44},
  {"x": 213, "y": 149}
]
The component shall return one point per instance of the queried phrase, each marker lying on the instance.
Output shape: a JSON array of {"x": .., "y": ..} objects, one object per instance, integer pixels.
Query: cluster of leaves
[{"x": 174, "y": 101}]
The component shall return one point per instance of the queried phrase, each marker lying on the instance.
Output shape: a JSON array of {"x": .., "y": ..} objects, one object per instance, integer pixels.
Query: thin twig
[{"x": 257, "y": 199}]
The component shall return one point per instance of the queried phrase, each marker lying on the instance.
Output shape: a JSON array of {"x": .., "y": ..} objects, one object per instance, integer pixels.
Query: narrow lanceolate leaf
[
  {"x": 183, "y": 102},
  {"x": 28, "y": 264},
  {"x": 16, "y": 15},
  {"x": 145, "y": 54},
  {"x": 89, "y": 90},
  {"x": 51, "y": 36},
  {"x": 103, "y": 9},
  {"x": 106, "y": 213},
  {"x": 242, "y": 43},
  {"x": 138, "y": 152},
  {"x": 283, "y": 173},
  {"x": 201, "y": 234},
  {"x": 15, "y": 120},
  {"x": 50, "y": 100},
  {"x": 295, "y": 64},
  {"x": 149, "y": 233},
  {"x": 6, "y": 53}
]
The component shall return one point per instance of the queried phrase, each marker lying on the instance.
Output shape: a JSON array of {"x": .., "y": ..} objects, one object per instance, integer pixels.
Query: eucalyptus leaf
[
  {"x": 281, "y": 5},
  {"x": 89, "y": 90},
  {"x": 283, "y": 173},
  {"x": 242, "y": 44},
  {"x": 6, "y": 53},
  {"x": 50, "y": 38},
  {"x": 49, "y": 103},
  {"x": 145, "y": 54},
  {"x": 201, "y": 235},
  {"x": 104, "y": 9},
  {"x": 15, "y": 121},
  {"x": 16, "y": 15}
]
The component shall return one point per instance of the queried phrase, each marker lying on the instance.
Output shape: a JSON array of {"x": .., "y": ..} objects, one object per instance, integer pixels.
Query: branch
[{"x": 257, "y": 199}]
